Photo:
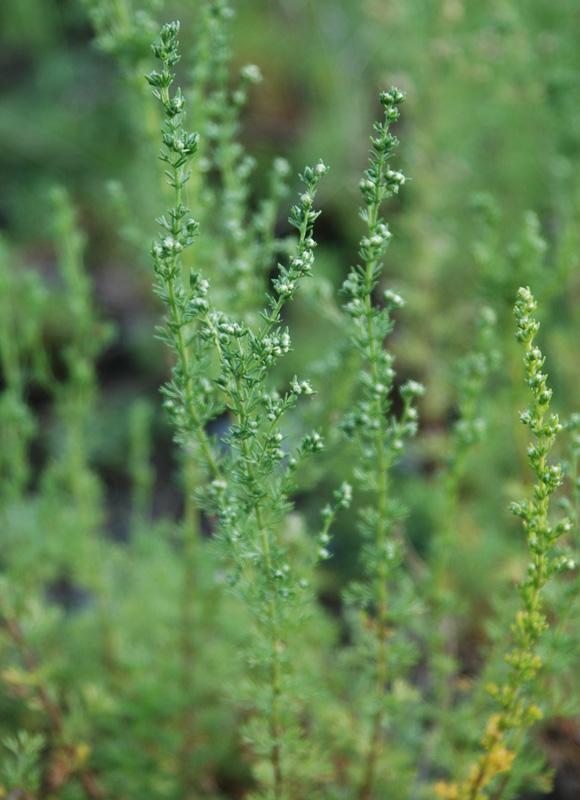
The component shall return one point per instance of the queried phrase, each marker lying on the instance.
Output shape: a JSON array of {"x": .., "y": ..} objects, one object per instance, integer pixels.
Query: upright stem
[
  {"x": 273, "y": 632},
  {"x": 188, "y": 650},
  {"x": 185, "y": 360},
  {"x": 380, "y": 537},
  {"x": 516, "y": 712}
]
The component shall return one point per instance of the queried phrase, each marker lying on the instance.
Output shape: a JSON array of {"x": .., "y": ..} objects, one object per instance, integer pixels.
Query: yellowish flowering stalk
[{"x": 517, "y": 711}]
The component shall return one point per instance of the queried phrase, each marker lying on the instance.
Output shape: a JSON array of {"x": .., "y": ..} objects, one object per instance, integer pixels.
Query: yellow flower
[
  {"x": 500, "y": 760},
  {"x": 446, "y": 791}
]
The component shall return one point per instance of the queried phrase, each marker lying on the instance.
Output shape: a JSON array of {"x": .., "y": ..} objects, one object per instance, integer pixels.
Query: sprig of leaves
[
  {"x": 517, "y": 710},
  {"x": 378, "y": 433}
]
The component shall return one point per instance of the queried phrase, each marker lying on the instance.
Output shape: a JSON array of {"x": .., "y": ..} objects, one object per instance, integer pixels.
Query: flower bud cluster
[
  {"x": 273, "y": 405},
  {"x": 343, "y": 496},
  {"x": 165, "y": 49},
  {"x": 269, "y": 349},
  {"x": 179, "y": 229},
  {"x": 374, "y": 246},
  {"x": 549, "y": 477},
  {"x": 251, "y": 73},
  {"x": 301, "y": 387},
  {"x": 410, "y": 390},
  {"x": 302, "y": 217},
  {"x": 302, "y": 214},
  {"x": 393, "y": 299},
  {"x": 181, "y": 143},
  {"x": 562, "y": 564},
  {"x": 312, "y": 443},
  {"x": 527, "y": 327},
  {"x": 394, "y": 97}
]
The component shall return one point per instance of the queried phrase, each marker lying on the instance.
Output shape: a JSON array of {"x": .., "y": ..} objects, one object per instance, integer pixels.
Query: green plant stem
[
  {"x": 184, "y": 359},
  {"x": 180, "y": 341},
  {"x": 275, "y": 642},
  {"x": 275, "y": 316},
  {"x": 515, "y": 713},
  {"x": 272, "y": 627},
  {"x": 381, "y": 534},
  {"x": 191, "y": 524}
]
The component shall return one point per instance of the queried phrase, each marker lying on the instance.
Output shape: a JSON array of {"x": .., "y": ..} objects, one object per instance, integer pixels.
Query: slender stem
[
  {"x": 188, "y": 649},
  {"x": 181, "y": 341},
  {"x": 382, "y": 631},
  {"x": 540, "y": 537},
  {"x": 31, "y": 665},
  {"x": 273, "y": 632},
  {"x": 281, "y": 299},
  {"x": 185, "y": 360}
]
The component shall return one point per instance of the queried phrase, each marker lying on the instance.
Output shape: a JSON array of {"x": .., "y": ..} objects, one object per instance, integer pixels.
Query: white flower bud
[
  {"x": 281, "y": 166},
  {"x": 251, "y": 73}
]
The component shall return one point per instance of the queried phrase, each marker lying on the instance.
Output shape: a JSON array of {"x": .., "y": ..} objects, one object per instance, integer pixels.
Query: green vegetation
[{"x": 316, "y": 590}]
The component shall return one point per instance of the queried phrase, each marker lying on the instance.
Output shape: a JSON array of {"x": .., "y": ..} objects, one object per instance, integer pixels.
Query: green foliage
[
  {"x": 22, "y": 771},
  {"x": 229, "y": 618},
  {"x": 516, "y": 712}
]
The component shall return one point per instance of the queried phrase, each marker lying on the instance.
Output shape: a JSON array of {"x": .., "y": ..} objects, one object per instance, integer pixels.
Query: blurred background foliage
[{"x": 491, "y": 147}]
